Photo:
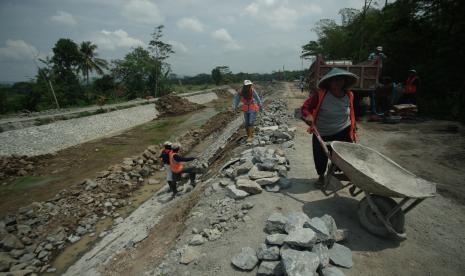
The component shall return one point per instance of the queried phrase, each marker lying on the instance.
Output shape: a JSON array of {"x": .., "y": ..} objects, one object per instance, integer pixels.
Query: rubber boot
[
  {"x": 173, "y": 188},
  {"x": 249, "y": 135}
]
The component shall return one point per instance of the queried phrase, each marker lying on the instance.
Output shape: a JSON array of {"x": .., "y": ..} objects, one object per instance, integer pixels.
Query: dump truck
[{"x": 367, "y": 71}]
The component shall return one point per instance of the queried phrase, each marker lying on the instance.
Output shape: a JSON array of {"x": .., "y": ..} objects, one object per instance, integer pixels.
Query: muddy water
[{"x": 167, "y": 129}]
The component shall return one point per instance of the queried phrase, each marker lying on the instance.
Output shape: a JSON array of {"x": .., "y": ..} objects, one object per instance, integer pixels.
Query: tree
[
  {"x": 160, "y": 52},
  {"x": 65, "y": 62},
  {"x": 90, "y": 62},
  {"x": 216, "y": 75},
  {"x": 136, "y": 71},
  {"x": 221, "y": 74},
  {"x": 66, "y": 57}
]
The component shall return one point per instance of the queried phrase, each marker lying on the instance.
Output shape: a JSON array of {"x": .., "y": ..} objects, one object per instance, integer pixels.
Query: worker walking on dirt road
[
  {"x": 177, "y": 166},
  {"x": 331, "y": 110},
  {"x": 165, "y": 158},
  {"x": 251, "y": 105}
]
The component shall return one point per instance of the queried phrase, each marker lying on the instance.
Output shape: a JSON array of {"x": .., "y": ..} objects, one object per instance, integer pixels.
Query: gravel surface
[{"x": 56, "y": 136}]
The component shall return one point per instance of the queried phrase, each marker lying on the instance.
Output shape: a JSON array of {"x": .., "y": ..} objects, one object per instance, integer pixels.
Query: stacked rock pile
[
  {"x": 31, "y": 238},
  {"x": 274, "y": 127},
  {"x": 257, "y": 169},
  {"x": 298, "y": 245}
]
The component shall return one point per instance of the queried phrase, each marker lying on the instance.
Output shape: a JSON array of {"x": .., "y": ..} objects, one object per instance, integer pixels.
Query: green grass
[
  {"x": 27, "y": 182},
  {"x": 192, "y": 87}
]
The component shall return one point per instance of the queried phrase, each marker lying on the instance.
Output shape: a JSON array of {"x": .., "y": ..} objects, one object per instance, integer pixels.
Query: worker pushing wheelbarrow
[{"x": 330, "y": 115}]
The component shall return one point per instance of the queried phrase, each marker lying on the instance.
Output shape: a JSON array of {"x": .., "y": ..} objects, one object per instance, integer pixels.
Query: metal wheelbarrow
[{"x": 367, "y": 171}]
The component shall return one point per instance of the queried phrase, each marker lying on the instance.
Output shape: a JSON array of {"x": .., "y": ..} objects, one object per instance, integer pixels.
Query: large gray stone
[
  {"x": 189, "y": 255},
  {"x": 6, "y": 261},
  {"x": 332, "y": 271},
  {"x": 303, "y": 237},
  {"x": 235, "y": 193},
  {"x": 225, "y": 182},
  {"x": 197, "y": 240},
  {"x": 342, "y": 235},
  {"x": 267, "y": 268},
  {"x": 268, "y": 252},
  {"x": 249, "y": 186},
  {"x": 23, "y": 229},
  {"x": 10, "y": 241},
  {"x": 276, "y": 239},
  {"x": 267, "y": 181},
  {"x": 295, "y": 220},
  {"x": 246, "y": 260},
  {"x": 90, "y": 185},
  {"x": 255, "y": 173},
  {"x": 275, "y": 223},
  {"x": 299, "y": 263},
  {"x": 268, "y": 165},
  {"x": 319, "y": 227},
  {"x": 331, "y": 225},
  {"x": 323, "y": 254},
  {"x": 244, "y": 168},
  {"x": 279, "y": 134},
  {"x": 341, "y": 256},
  {"x": 27, "y": 257}
]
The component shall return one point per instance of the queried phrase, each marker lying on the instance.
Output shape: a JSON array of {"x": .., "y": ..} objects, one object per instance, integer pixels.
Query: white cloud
[
  {"x": 117, "y": 39},
  {"x": 279, "y": 14},
  {"x": 191, "y": 24},
  {"x": 142, "y": 11},
  {"x": 227, "y": 19},
  {"x": 224, "y": 37},
  {"x": 311, "y": 8},
  {"x": 178, "y": 46},
  {"x": 63, "y": 18},
  {"x": 17, "y": 50}
]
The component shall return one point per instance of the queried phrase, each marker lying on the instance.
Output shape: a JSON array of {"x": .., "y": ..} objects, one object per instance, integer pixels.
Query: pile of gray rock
[
  {"x": 298, "y": 245},
  {"x": 30, "y": 238},
  {"x": 274, "y": 127},
  {"x": 274, "y": 113},
  {"x": 257, "y": 169}
]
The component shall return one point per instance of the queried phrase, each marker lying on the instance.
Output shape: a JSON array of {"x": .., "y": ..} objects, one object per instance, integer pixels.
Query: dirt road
[{"x": 435, "y": 243}]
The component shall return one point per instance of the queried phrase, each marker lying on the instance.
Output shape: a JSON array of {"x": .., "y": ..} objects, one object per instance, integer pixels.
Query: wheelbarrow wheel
[{"x": 370, "y": 221}]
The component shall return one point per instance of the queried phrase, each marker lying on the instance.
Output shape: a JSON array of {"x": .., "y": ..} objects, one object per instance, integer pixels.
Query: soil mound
[{"x": 171, "y": 105}]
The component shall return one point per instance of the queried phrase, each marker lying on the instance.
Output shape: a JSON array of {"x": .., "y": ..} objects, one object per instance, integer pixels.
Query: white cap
[
  {"x": 176, "y": 146},
  {"x": 167, "y": 143},
  {"x": 247, "y": 82},
  {"x": 379, "y": 48}
]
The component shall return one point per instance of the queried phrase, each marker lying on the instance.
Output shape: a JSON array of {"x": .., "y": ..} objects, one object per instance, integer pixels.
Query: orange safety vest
[
  {"x": 321, "y": 96},
  {"x": 410, "y": 87},
  {"x": 246, "y": 105},
  {"x": 175, "y": 167}
]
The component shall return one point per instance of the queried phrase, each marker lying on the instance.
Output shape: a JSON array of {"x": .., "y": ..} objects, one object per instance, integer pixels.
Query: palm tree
[{"x": 90, "y": 61}]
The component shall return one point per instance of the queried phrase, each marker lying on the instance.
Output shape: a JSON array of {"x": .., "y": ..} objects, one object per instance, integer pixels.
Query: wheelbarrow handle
[{"x": 323, "y": 144}]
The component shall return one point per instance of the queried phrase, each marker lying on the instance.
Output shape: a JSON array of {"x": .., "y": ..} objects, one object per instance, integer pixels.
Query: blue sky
[{"x": 247, "y": 35}]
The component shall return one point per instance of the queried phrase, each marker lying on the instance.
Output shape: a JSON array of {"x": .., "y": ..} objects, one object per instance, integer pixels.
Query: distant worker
[
  {"x": 301, "y": 86},
  {"x": 165, "y": 158},
  {"x": 378, "y": 56},
  {"x": 411, "y": 87},
  {"x": 377, "y": 53},
  {"x": 331, "y": 110},
  {"x": 178, "y": 168},
  {"x": 251, "y": 105}
]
